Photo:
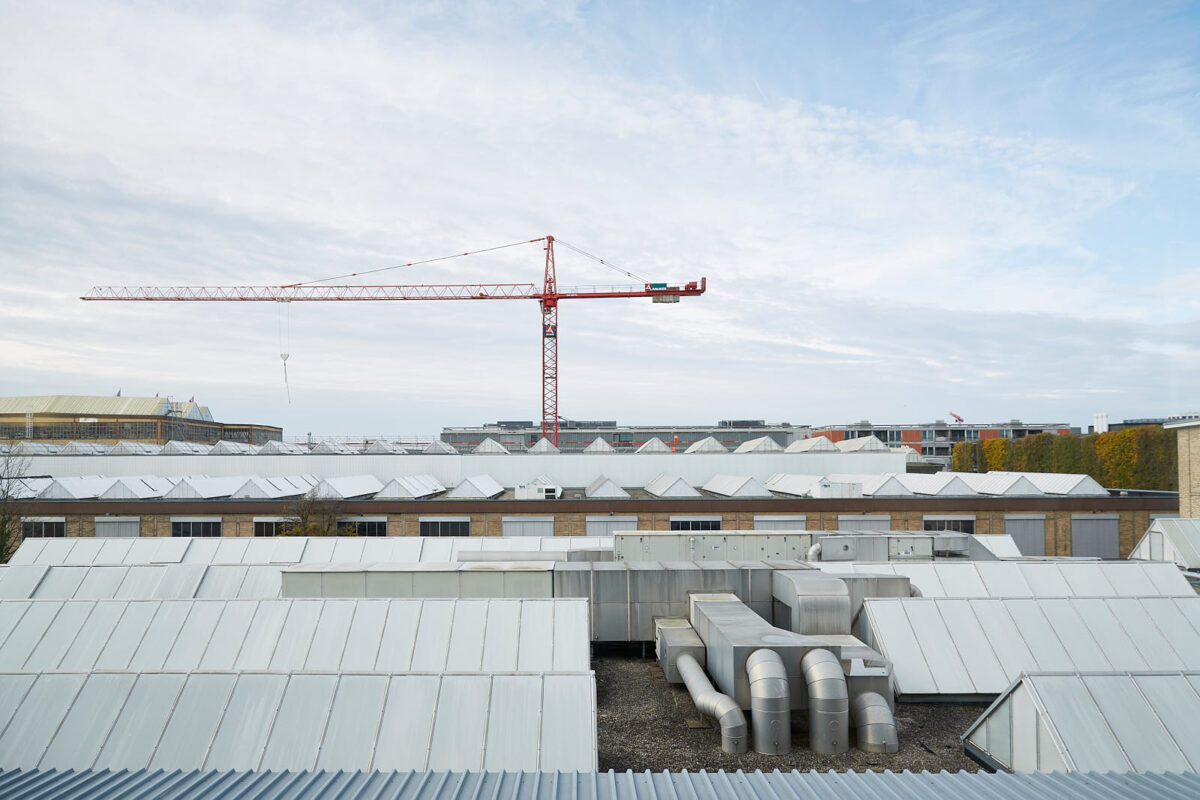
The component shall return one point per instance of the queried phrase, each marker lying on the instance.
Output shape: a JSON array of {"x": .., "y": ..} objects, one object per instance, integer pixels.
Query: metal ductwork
[
  {"x": 811, "y": 602},
  {"x": 814, "y": 552},
  {"x": 828, "y": 702},
  {"x": 874, "y": 724},
  {"x": 770, "y": 702},
  {"x": 709, "y": 701}
]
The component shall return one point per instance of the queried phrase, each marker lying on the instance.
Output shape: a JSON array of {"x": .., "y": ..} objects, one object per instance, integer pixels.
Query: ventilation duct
[
  {"x": 770, "y": 703},
  {"x": 828, "y": 702},
  {"x": 723, "y": 708}
]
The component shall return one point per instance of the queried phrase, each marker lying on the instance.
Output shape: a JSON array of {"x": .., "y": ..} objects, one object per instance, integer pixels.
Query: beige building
[{"x": 1189, "y": 466}]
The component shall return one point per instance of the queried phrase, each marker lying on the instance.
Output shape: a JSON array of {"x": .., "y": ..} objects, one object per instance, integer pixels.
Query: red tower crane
[{"x": 548, "y": 297}]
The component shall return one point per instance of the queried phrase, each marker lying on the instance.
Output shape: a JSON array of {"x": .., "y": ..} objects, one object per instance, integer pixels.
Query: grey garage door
[
  {"x": 1096, "y": 535},
  {"x": 1028, "y": 532},
  {"x": 607, "y": 526}
]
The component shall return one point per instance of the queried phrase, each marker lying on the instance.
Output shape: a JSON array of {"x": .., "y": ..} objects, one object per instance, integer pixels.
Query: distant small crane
[
  {"x": 548, "y": 297},
  {"x": 959, "y": 419}
]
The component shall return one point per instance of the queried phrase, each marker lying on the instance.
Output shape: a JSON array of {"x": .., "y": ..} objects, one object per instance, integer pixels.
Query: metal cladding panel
[
  {"x": 36, "y": 719},
  {"x": 246, "y": 724},
  {"x": 159, "y": 637},
  {"x": 80, "y": 737},
  {"x": 932, "y": 642},
  {"x": 502, "y": 636},
  {"x": 514, "y": 722},
  {"x": 365, "y": 634},
  {"x": 1177, "y": 710},
  {"x": 299, "y": 723},
  {"x": 42, "y": 785},
  {"x": 86, "y": 646},
  {"x": 407, "y": 723},
  {"x": 58, "y": 636},
  {"x": 194, "y": 719},
  {"x": 460, "y": 725},
  {"x": 351, "y": 730},
  {"x": 18, "y": 582},
  {"x": 140, "y": 725}
]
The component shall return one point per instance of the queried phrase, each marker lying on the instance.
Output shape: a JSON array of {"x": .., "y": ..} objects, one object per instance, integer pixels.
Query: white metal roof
[
  {"x": 285, "y": 635},
  {"x": 939, "y": 484},
  {"x": 83, "y": 449},
  {"x": 134, "y": 449},
  {"x": 406, "y": 487},
  {"x": 291, "y": 721},
  {"x": 599, "y": 445},
  {"x": 282, "y": 448},
  {"x": 348, "y": 486},
  {"x": 137, "y": 487},
  {"x": 28, "y": 448},
  {"x": 1028, "y": 578},
  {"x": 885, "y": 485},
  {"x": 490, "y": 446},
  {"x": 204, "y": 487},
  {"x": 184, "y": 448},
  {"x": 1089, "y": 721},
  {"x": 476, "y": 487},
  {"x": 604, "y": 487},
  {"x": 817, "y": 444},
  {"x": 543, "y": 445},
  {"x": 1064, "y": 484},
  {"x": 138, "y": 581},
  {"x": 653, "y": 445},
  {"x": 1174, "y": 540},
  {"x": 438, "y": 447},
  {"x": 707, "y": 445},
  {"x": 385, "y": 447},
  {"x": 736, "y": 486},
  {"x": 233, "y": 448},
  {"x": 283, "y": 549},
  {"x": 275, "y": 487},
  {"x": 334, "y": 448},
  {"x": 75, "y": 488},
  {"x": 27, "y": 488},
  {"x": 962, "y": 647},
  {"x": 863, "y": 444},
  {"x": 664, "y": 485},
  {"x": 794, "y": 485},
  {"x": 763, "y": 444},
  {"x": 1000, "y": 483},
  {"x": 1001, "y": 544}
]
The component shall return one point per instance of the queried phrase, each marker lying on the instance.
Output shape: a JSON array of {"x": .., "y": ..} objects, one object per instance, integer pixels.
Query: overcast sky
[{"x": 902, "y": 210}]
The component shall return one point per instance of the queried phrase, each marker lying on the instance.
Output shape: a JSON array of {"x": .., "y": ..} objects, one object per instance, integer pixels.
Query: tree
[
  {"x": 315, "y": 516},
  {"x": 13, "y": 469}
]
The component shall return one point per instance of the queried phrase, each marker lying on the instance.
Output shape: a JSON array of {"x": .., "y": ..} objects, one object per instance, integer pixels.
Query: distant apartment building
[{"x": 935, "y": 440}]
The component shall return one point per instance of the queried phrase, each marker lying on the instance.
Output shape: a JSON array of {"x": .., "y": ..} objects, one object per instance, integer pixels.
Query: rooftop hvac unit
[{"x": 538, "y": 492}]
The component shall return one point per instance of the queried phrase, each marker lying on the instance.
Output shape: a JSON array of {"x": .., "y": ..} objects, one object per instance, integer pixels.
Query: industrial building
[
  {"x": 189, "y": 490},
  {"x": 94, "y": 424},
  {"x": 576, "y": 435}
]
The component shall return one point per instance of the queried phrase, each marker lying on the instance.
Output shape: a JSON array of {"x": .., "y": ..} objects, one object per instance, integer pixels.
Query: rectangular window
[
  {"x": 973, "y": 435},
  {"x": 961, "y": 523},
  {"x": 369, "y": 527},
  {"x": 445, "y": 526},
  {"x": 272, "y": 527},
  {"x": 895, "y": 435},
  {"x": 695, "y": 523},
  {"x": 196, "y": 526},
  {"x": 43, "y": 527}
]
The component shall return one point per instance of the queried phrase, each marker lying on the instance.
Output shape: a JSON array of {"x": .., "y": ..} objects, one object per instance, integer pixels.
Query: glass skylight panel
[
  {"x": 263, "y": 636},
  {"x": 329, "y": 638},
  {"x": 193, "y": 722},
  {"x": 536, "y": 651},
  {"x": 194, "y": 635},
  {"x": 295, "y": 638},
  {"x": 399, "y": 635},
  {"x": 501, "y": 638},
  {"x": 365, "y": 635},
  {"x": 82, "y": 733},
  {"x": 514, "y": 722},
  {"x": 27, "y": 633},
  {"x": 300, "y": 723},
  {"x": 58, "y": 636},
  {"x": 465, "y": 648},
  {"x": 407, "y": 724},
  {"x": 246, "y": 724},
  {"x": 349, "y": 741},
  {"x": 229, "y": 635},
  {"x": 433, "y": 636},
  {"x": 93, "y": 636},
  {"x": 460, "y": 726}
]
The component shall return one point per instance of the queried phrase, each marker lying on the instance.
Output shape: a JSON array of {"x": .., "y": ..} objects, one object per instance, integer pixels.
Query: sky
[{"x": 902, "y": 209}]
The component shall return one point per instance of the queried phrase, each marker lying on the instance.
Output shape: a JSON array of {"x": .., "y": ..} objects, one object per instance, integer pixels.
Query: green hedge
[{"x": 1135, "y": 458}]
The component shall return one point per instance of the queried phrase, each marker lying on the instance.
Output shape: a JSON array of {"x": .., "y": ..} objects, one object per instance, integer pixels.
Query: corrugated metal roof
[
  {"x": 490, "y": 446},
  {"x": 437, "y": 446},
  {"x": 1120, "y": 721},
  {"x": 348, "y": 486},
  {"x": 862, "y": 444},
  {"x": 943, "y": 646},
  {"x": 794, "y": 485},
  {"x": 298, "y": 721},
  {"x": 721, "y": 785},
  {"x": 543, "y": 445},
  {"x": 939, "y": 484},
  {"x": 476, "y": 487},
  {"x": 276, "y": 635},
  {"x": 282, "y": 448},
  {"x": 85, "y": 405},
  {"x": 1000, "y": 484},
  {"x": 654, "y": 445},
  {"x": 83, "y": 487},
  {"x": 599, "y": 445},
  {"x": 1063, "y": 484},
  {"x": 410, "y": 487},
  {"x": 1029, "y": 578}
]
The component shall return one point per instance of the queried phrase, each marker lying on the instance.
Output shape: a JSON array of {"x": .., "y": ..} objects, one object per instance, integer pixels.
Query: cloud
[{"x": 856, "y": 259}]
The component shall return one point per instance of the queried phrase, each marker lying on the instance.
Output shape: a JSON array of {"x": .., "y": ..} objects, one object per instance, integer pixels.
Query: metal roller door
[
  {"x": 118, "y": 527},
  {"x": 1096, "y": 535},
  {"x": 607, "y": 526},
  {"x": 1028, "y": 531},
  {"x": 528, "y": 526},
  {"x": 796, "y": 522}
]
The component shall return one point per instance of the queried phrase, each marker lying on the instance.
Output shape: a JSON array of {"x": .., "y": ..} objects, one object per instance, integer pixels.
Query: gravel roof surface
[{"x": 646, "y": 723}]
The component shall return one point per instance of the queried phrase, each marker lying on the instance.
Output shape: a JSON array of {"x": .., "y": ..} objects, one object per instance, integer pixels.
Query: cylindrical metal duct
[
  {"x": 828, "y": 702},
  {"x": 874, "y": 723},
  {"x": 709, "y": 701},
  {"x": 770, "y": 702},
  {"x": 814, "y": 552}
]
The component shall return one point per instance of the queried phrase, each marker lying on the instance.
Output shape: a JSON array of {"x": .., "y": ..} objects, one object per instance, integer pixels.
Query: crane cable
[
  {"x": 414, "y": 263},
  {"x": 599, "y": 260},
  {"x": 285, "y": 330}
]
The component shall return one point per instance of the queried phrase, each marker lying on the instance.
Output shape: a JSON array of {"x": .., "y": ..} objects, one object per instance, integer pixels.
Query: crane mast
[{"x": 548, "y": 297}]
